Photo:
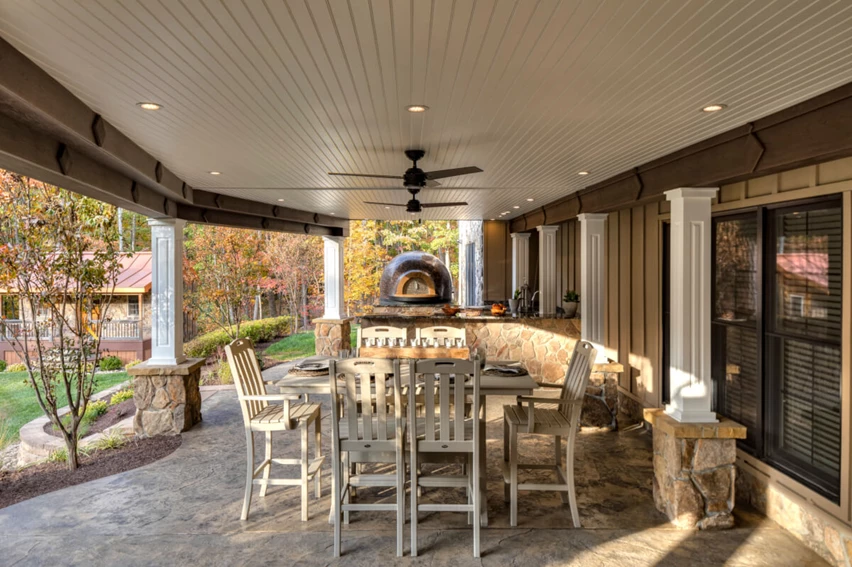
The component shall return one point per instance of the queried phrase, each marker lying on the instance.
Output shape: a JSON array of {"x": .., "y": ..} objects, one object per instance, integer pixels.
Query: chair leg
[
  {"x": 400, "y": 501},
  {"x": 477, "y": 503},
  {"x": 513, "y": 475},
  {"x": 249, "y": 474},
  {"x": 318, "y": 449},
  {"x": 557, "y": 452},
  {"x": 266, "y": 470},
  {"x": 304, "y": 483},
  {"x": 335, "y": 500},
  {"x": 347, "y": 489},
  {"x": 506, "y": 485},
  {"x": 569, "y": 474},
  {"x": 415, "y": 492}
]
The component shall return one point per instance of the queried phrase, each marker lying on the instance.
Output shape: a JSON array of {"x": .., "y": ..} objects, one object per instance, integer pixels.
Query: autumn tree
[
  {"x": 223, "y": 269},
  {"x": 295, "y": 273},
  {"x": 59, "y": 257}
]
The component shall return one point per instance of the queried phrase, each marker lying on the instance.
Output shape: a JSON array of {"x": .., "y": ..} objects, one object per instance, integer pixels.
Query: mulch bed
[
  {"x": 17, "y": 486},
  {"x": 113, "y": 415}
]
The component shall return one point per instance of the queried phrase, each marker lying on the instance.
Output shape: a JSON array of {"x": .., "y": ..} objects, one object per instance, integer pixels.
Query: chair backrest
[
  {"x": 366, "y": 382},
  {"x": 383, "y": 332},
  {"x": 445, "y": 379},
  {"x": 577, "y": 378},
  {"x": 446, "y": 336},
  {"x": 247, "y": 377}
]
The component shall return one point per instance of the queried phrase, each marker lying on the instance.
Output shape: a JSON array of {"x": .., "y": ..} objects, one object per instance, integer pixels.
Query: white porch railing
[
  {"x": 121, "y": 329},
  {"x": 15, "y": 329}
]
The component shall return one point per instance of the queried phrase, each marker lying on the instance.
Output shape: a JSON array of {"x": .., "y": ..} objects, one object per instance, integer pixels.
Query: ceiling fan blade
[
  {"x": 431, "y": 183},
  {"x": 425, "y": 205},
  {"x": 366, "y": 175},
  {"x": 441, "y": 173},
  {"x": 385, "y": 204}
]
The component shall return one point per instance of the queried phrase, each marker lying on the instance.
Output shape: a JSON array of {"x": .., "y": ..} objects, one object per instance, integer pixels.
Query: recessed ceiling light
[
  {"x": 530, "y": 200},
  {"x": 387, "y": 207},
  {"x": 416, "y": 108},
  {"x": 149, "y": 105},
  {"x": 215, "y": 172},
  {"x": 280, "y": 200},
  {"x": 492, "y": 219},
  {"x": 413, "y": 213},
  {"x": 582, "y": 173},
  {"x": 714, "y": 107},
  {"x": 506, "y": 212},
  {"x": 516, "y": 207}
]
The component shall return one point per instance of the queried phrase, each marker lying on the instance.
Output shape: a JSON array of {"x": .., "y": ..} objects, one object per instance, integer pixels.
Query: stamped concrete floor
[{"x": 184, "y": 510}]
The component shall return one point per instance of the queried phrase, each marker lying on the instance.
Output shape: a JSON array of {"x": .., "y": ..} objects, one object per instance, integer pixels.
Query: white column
[
  {"x": 333, "y": 252},
  {"x": 520, "y": 260},
  {"x": 166, "y": 292},
  {"x": 548, "y": 298},
  {"x": 689, "y": 372},
  {"x": 592, "y": 280}
]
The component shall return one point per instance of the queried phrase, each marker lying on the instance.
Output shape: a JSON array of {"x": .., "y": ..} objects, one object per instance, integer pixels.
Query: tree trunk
[
  {"x": 71, "y": 449},
  {"x": 120, "y": 232},
  {"x": 304, "y": 305}
]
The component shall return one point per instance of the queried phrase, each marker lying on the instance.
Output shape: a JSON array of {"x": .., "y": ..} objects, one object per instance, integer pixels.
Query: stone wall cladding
[
  {"x": 332, "y": 336},
  {"x": 168, "y": 399},
  {"x": 827, "y": 536}
]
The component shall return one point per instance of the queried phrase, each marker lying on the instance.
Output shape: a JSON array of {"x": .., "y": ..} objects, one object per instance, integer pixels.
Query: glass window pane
[
  {"x": 807, "y": 272},
  {"x": 736, "y": 269},
  {"x": 738, "y": 379}
]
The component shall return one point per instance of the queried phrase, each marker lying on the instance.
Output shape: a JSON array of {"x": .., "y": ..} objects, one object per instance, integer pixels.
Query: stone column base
[
  {"x": 168, "y": 400},
  {"x": 694, "y": 473},
  {"x": 332, "y": 336}
]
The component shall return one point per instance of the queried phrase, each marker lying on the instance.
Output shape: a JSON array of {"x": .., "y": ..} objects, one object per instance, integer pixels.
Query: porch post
[
  {"x": 547, "y": 299},
  {"x": 520, "y": 260},
  {"x": 167, "y": 292},
  {"x": 689, "y": 373},
  {"x": 333, "y": 253},
  {"x": 592, "y": 280}
]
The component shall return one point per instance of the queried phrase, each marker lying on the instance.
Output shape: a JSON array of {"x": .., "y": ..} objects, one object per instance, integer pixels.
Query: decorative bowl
[{"x": 498, "y": 309}]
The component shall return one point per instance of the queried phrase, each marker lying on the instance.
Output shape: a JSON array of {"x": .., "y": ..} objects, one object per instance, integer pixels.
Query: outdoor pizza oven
[{"x": 415, "y": 278}]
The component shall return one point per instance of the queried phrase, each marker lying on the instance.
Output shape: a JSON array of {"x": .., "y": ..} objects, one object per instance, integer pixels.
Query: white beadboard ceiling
[{"x": 275, "y": 93}]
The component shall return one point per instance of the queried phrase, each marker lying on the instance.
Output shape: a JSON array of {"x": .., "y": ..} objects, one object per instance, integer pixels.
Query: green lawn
[
  {"x": 299, "y": 345},
  {"x": 18, "y": 404}
]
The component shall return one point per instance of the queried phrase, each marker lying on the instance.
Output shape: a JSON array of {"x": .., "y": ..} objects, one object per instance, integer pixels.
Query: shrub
[
  {"x": 95, "y": 409},
  {"x": 132, "y": 363},
  {"x": 17, "y": 367},
  {"x": 121, "y": 396},
  {"x": 224, "y": 373},
  {"x": 110, "y": 363},
  {"x": 3, "y": 365},
  {"x": 111, "y": 440},
  {"x": 258, "y": 331}
]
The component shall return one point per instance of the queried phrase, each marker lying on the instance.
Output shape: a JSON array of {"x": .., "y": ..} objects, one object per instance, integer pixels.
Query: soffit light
[
  {"x": 280, "y": 200},
  {"x": 582, "y": 173},
  {"x": 416, "y": 108},
  {"x": 714, "y": 107},
  {"x": 516, "y": 207},
  {"x": 215, "y": 172},
  {"x": 530, "y": 200},
  {"x": 149, "y": 105}
]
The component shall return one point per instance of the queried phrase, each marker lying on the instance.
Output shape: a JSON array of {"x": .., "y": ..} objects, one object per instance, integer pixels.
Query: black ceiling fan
[{"x": 416, "y": 179}]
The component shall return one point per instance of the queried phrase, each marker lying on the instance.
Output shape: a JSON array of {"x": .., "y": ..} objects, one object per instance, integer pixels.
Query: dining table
[{"x": 489, "y": 385}]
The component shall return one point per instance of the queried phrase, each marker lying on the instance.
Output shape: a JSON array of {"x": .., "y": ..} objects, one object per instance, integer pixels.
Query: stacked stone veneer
[
  {"x": 168, "y": 399},
  {"x": 542, "y": 345},
  {"x": 332, "y": 336},
  {"x": 694, "y": 472}
]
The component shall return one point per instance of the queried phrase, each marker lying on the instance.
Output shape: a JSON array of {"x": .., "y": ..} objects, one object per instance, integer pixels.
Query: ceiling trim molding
[{"x": 813, "y": 131}]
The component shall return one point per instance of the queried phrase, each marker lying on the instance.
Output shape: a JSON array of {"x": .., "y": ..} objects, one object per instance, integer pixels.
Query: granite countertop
[{"x": 442, "y": 317}]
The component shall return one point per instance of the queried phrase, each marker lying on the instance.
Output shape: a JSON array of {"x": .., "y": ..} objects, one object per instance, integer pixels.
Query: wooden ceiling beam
[
  {"x": 814, "y": 131},
  {"x": 210, "y": 200}
]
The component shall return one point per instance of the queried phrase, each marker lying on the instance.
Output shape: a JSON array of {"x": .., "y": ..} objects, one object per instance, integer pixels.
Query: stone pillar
[
  {"x": 520, "y": 260},
  {"x": 333, "y": 254},
  {"x": 548, "y": 299},
  {"x": 168, "y": 399},
  {"x": 332, "y": 336},
  {"x": 689, "y": 371},
  {"x": 593, "y": 280},
  {"x": 471, "y": 279},
  {"x": 694, "y": 472},
  {"x": 167, "y": 291}
]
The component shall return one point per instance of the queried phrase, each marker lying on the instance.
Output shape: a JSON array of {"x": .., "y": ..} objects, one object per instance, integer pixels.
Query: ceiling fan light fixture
[
  {"x": 147, "y": 105},
  {"x": 416, "y": 108},
  {"x": 714, "y": 107}
]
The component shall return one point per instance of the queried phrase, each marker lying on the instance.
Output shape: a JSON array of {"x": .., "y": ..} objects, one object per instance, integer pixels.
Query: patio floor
[{"x": 185, "y": 510}]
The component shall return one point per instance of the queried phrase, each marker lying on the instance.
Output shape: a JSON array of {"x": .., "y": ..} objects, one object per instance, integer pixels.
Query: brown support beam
[
  {"x": 814, "y": 131},
  {"x": 195, "y": 214},
  {"x": 211, "y": 200}
]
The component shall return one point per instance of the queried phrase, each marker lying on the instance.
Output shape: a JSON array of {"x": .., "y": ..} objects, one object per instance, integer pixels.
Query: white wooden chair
[
  {"x": 445, "y": 336},
  {"x": 445, "y": 433},
  {"x": 364, "y": 437},
  {"x": 259, "y": 415},
  {"x": 382, "y": 336},
  {"x": 561, "y": 422}
]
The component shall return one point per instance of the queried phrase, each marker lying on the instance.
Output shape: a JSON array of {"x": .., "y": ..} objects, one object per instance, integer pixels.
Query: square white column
[
  {"x": 593, "y": 280},
  {"x": 549, "y": 296},
  {"x": 520, "y": 260},
  {"x": 689, "y": 371},
  {"x": 166, "y": 292},
  {"x": 333, "y": 254}
]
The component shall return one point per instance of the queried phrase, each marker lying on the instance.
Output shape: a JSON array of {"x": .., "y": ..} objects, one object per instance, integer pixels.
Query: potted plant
[
  {"x": 513, "y": 303},
  {"x": 571, "y": 300}
]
